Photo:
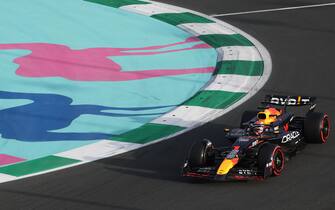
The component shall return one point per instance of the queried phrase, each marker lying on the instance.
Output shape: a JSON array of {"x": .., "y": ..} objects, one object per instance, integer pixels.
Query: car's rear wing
[{"x": 289, "y": 100}]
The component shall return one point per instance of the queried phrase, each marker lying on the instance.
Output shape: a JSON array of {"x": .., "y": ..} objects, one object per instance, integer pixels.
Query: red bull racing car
[{"x": 262, "y": 144}]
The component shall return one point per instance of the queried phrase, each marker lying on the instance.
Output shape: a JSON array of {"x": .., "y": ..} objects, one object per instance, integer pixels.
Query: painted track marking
[
  {"x": 211, "y": 31},
  {"x": 273, "y": 10}
]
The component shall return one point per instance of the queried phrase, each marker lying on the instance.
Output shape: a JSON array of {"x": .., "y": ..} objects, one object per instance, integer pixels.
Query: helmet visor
[{"x": 261, "y": 116}]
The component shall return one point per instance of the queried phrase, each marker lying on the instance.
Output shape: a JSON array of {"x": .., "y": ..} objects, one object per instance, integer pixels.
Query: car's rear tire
[
  {"x": 201, "y": 154},
  {"x": 271, "y": 160},
  {"x": 247, "y": 116},
  {"x": 316, "y": 127}
]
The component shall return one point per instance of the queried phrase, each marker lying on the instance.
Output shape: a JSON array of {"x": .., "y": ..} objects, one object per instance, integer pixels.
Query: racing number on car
[{"x": 290, "y": 137}]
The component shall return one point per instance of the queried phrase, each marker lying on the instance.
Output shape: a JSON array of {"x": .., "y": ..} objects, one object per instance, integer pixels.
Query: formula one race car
[{"x": 262, "y": 144}]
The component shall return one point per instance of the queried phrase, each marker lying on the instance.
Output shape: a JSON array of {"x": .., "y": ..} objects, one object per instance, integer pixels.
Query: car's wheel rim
[
  {"x": 207, "y": 157},
  {"x": 324, "y": 131},
  {"x": 278, "y": 162}
]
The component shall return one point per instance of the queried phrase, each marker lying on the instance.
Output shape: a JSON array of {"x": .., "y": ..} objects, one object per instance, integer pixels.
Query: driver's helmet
[
  {"x": 258, "y": 130},
  {"x": 268, "y": 116}
]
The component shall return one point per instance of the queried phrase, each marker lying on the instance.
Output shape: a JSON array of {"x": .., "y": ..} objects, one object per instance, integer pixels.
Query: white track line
[
  {"x": 199, "y": 29},
  {"x": 186, "y": 116},
  {"x": 273, "y": 10},
  {"x": 150, "y": 9},
  {"x": 241, "y": 53},
  {"x": 233, "y": 83},
  {"x": 98, "y": 150}
]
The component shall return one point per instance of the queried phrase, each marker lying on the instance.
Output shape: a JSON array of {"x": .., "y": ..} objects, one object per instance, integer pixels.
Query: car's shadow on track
[
  {"x": 167, "y": 165},
  {"x": 145, "y": 162},
  {"x": 164, "y": 160}
]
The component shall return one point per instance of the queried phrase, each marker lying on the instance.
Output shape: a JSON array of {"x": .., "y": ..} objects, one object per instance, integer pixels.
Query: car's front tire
[
  {"x": 271, "y": 160},
  {"x": 201, "y": 154}
]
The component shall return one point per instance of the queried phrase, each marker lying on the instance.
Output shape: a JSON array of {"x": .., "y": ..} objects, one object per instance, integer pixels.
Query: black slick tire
[
  {"x": 200, "y": 154},
  {"x": 316, "y": 127},
  {"x": 271, "y": 160}
]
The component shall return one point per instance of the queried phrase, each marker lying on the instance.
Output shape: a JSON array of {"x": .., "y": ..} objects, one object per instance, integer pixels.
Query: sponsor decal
[
  {"x": 254, "y": 143},
  {"x": 269, "y": 164},
  {"x": 245, "y": 172},
  {"x": 243, "y": 139},
  {"x": 312, "y": 107},
  {"x": 290, "y": 101},
  {"x": 204, "y": 170},
  {"x": 232, "y": 154},
  {"x": 290, "y": 137}
]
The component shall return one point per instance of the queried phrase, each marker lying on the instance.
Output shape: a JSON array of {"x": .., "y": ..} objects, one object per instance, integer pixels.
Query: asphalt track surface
[{"x": 301, "y": 43}]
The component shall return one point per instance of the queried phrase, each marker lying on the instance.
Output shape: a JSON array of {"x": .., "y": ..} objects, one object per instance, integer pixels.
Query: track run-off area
[
  {"x": 300, "y": 43},
  {"x": 205, "y": 68}
]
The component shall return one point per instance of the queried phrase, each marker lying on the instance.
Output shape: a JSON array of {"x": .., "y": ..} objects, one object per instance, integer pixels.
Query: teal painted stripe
[
  {"x": 181, "y": 18},
  {"x": 248, "y": 68},
  {"x": 117, "y": 3},
  {"x": 37, "y": 165},
  {"x": 222, "y": 40},
  {"x": 147, "y": 133},
  {"x": 214, "y": 99}
]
